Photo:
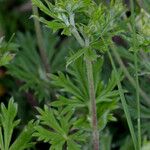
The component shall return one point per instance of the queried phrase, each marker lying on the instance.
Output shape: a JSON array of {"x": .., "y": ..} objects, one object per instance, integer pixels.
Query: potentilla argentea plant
[{"x": 90, "y": 24}]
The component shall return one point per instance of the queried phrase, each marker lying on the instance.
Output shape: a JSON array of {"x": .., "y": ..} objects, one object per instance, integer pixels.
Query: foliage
[
  {"x": 6, "y": 51},
  {"x": 7, "y": 126},
  {"x": 99, "y": 21},
  {"x": 57, "y": 128},
  {"x": 98, "y": 51},
  {"x": 77, "y": 89},
  {"x": 28, "y": 67}
]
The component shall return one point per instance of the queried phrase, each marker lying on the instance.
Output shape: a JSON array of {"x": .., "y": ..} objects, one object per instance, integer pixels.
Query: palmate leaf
[
  {"x": 78, "y": 87},
  {"x": 78, "y": 97},
  {"x": 56, "y": 128},
  {"x": 7, "y": 125},
  {"x": 27, "y": 65}
]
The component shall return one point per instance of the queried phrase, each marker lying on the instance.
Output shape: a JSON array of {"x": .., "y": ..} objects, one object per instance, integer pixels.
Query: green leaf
[
  {"x": 67, "y": 85},
  {"x": 106, "y": 97},
  {"x": 6, "y": 58},
  {"x": 8, "y": 123},
  {"x": 90, "y": 55},
  {"x": 7, "y": 50},
  {"x": 27, "y": 65},
  {"x": 55, "y": 128},
  {"x": 54, "y": 25},
  {"x": 73, "y": 146},
  {"x": 23, "y": 140},
  {"x": 47, "y": 136},
  {"x": 75, "y": 56},
  {"x": 58, "y": 146},
  {"x": 42, "y": 7},
  {"x": 47, "y": 117},
  {"x": 1, "y": 140},
  {"x": 72, "y": 103}
]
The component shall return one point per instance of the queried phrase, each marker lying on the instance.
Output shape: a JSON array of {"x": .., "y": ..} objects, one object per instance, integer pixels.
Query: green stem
[
  {"x": 136, "y": 73},
  {"x": 130, "y": 78},
  {"x": 138, "y": 102},
  {"x": 92, "y": 105},
  {"x": 124, "y": 103},
  {"x": 78, "y": 37},
  {"x": 94, "y": 124},
  {"x": 40, "y": 41}
]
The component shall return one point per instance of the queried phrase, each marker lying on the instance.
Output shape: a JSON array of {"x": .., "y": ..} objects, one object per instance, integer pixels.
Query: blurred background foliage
[{"x": 25, "y": 77}]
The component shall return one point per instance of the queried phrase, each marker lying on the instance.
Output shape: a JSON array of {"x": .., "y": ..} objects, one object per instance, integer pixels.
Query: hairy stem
[
  {"x": 95, "y": 132},
  {"x": 136, "y": 73},
  {"x": 78, "y": 37},
  {"x": 40, "y": 40},
  {"x": 92, "y": 105}
]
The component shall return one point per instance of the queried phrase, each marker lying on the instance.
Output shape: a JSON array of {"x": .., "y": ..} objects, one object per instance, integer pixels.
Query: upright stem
[
  {"x": 92, "y": 105},
  {"x": 124, "y": 103},
  {"x": 78, "y": 37},
  {"x": 40, "y": 40},
  {"x": 136, "y": 73},
  {"x": 95, "y": 132}
]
